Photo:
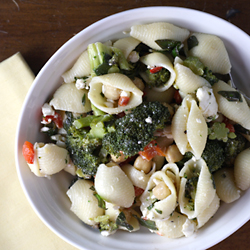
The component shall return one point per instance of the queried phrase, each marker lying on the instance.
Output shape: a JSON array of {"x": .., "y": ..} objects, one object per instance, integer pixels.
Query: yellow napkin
[{"x": 20, "y": 227}]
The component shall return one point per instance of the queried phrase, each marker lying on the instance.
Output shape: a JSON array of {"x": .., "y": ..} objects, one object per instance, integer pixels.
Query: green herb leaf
[
  {"x": 121, "y": 221},
  {"x": 192, "y": 41},
  {"x": 84, "y": 99},
  {"x": 158, "y": 211},
  {"x": 231, "y": 96},
  {"x": 101, "y": 202},
  {"x": 150, "y": 224},
  {"x": 152, "y": 205}
]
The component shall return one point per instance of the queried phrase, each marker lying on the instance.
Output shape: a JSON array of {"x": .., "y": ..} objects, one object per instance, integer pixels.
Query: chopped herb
[
  {"x": 192, "y": 41},
  {"x": 158, "y": 211},
  {"x": 150, "y": 224},
  {"x": 84, "y": 99},
  {"x": 152, "y": 205},
  {"x": 231, "y": 96},
  {"x": 121, "y": 221},
  {"x": 101, "y": 202}
]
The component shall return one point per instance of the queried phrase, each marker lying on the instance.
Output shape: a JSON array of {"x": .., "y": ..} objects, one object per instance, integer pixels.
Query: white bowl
[{"x": 48, "y": 197}]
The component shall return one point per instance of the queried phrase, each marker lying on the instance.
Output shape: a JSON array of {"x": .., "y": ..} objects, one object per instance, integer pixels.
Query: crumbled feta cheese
[
  {"x": 133, "y": 57},
  {"x": 148, "y": 120},
  {"x": 188, "y": 228},
  {"x": 125, "y": 93},
  {"x": 47, "y": 110},
  {"x": 44, "y": 129},
  {"x": 207, "y": 103},
  {"x": 82, "y": 83}
]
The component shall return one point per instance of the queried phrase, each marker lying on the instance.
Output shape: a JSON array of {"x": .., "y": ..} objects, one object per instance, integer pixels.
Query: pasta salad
[{"x": 151, "y": 130}]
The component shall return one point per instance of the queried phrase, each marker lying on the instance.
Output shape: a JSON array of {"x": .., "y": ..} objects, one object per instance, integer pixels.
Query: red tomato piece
[
  {"x": 28, "y": 152},
  {"x": 151, "y": 150},
  {"x": 155, "y": 70},
  {"x": 123, "y": 100},
  {"x": 56, "y": 118},
  {"x": 138, "y": 191}
]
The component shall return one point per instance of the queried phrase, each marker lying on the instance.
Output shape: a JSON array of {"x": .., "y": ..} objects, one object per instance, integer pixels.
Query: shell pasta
[{"x": 148, "y": 132}]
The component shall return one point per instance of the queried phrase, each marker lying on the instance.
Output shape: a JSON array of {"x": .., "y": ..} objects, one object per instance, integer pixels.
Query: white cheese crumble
[
  {"x": 188, "y": 228},
  {"x": 125, "y": 93},
  {"x": 207, "y": 103},
  {"x": 148, "y": 120},
  {"x": 47, "y": 110},
  {"x": 133, "y": 57},
  {"x": 82, "y": 83}
]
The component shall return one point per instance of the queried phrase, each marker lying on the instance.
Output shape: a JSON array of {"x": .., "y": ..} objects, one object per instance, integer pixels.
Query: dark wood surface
[{"x": 37, "y": 28}]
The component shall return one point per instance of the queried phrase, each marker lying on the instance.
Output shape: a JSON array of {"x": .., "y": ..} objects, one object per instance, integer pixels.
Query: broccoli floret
[
  {"x": 190, "y": 191},
  {"x": 233, "y": 147},
  {"x": 106, "y": 59},
  {"x": 213, "y": 154},
  {"x": 171, "y": 46},
  {"x": 157, "y": 79},
  {"x": 219, "y": 131},
  {"x": 105, "y": 224},
  {"x": 200, "y": 69},
  {"x": 84, "y": 149},
  {"x": 136, "y": 129}
]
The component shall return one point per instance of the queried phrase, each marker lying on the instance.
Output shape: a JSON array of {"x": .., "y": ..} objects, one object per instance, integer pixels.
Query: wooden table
[{"x": 37, "y": 28}]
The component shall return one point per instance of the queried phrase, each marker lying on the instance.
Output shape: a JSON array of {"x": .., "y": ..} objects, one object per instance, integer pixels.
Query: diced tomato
[
  {"x": 28, "y": 152},
  {"x": 56, "y": 118},
  {"x": 155, "y": 70},
  {"x": 123, "y": 100},
  {"x": 177, "y": 97},
  {"x": 138, "y": 191},
  {"x": 229, "y": 125},
  {"x": 151, "y": 150}
]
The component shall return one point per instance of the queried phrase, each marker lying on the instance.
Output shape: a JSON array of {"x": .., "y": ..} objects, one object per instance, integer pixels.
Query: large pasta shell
[
  {"x": 196, "y": 130},
  {"x": 238, "y": 112},
  {"x": 204, "y": 217},
  {"x": 176, "y": 226},
  {"x": 157, "y": 59},
  {"x": 126, "y": 45},
  {"x": 205, "y": 190},
  {"x": 118, "y": 81},
  {"x": 186, "y": 80},
  {"x": 149, "y": 33},
  {"x": 80, "y": 68},
  {"x": 212, "y": 53},
  {"x": 242, "y": 169},
  {"x": 163, "y": 208},
  {"x": 113, "y": 185},
  {"x": 68, "y": 98},
  {"x": 51, "y": 159},
  {"x": 225, "y": 185},
  {"x": 84, "y": 203}
]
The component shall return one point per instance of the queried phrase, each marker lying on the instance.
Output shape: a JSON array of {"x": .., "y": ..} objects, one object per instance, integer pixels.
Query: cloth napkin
[{"x": 20, "y": 227}]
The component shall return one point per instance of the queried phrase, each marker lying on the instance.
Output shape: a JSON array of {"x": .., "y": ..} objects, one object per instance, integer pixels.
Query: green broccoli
[
  {"x": 84, "y": 149},
  {"x": 213, "y": 154},
  {"x": 233, "y": 147},
  {"x": 190, "y": 191},
  {"x": 156, "y": 79},
  {"x": 219, "y": 131},
  {"x": 170, "y": 46},
  {"x": 105, "y": 224},
  {"x": 136, "y": 129},
  {"x": 200, "y": 69},
  {"x": 106, "y": 59}
]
